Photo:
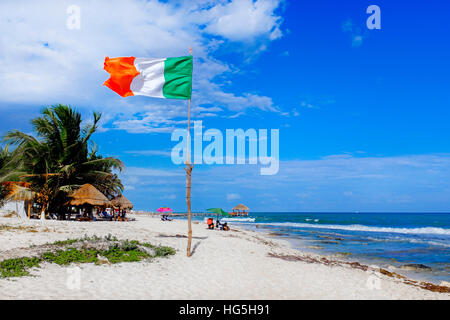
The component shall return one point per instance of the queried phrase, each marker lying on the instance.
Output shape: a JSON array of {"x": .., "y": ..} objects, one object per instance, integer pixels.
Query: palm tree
[
  {"x": 61, "y": 158},
  {"x": 4, "y": 160},
  {"x": 11, "y": 191}
]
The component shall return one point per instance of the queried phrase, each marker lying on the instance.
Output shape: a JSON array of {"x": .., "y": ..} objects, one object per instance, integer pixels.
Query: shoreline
[
  {"x": 303, "y": 246},
  {"x": 240, "y": 264},
  {"x": 414, "y": 270}
]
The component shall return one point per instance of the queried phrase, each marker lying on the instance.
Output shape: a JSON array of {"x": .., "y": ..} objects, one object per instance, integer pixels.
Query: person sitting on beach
[
  {"x": 225, "y": 227},
  {"x": 164, "y": 217},
  {"x": 122, "y": 215},
  {"x": 106, "y": 215},
  {"x": 218, "y": 224},
  {"x": 210, "y": 223}
]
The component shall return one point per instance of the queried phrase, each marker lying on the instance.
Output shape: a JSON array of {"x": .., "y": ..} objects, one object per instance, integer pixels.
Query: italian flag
[{"x": 169, "y": 78}]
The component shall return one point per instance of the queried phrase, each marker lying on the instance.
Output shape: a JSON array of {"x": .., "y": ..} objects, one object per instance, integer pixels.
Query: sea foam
[
  {"x": 238, "y": 219},
  {"x": 233, "y": 219},
  {"x": 358, "y": 227}
]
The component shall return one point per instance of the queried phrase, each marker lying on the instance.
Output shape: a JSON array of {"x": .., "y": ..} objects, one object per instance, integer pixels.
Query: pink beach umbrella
[{"x": 164, "y": 210}]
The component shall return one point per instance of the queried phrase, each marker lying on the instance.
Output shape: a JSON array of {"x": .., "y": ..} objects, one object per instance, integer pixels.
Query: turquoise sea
[{"x": 382, "y": 239}]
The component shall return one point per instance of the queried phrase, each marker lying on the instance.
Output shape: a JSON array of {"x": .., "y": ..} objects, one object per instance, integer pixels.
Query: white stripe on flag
[{"x": 150, "y": 81}]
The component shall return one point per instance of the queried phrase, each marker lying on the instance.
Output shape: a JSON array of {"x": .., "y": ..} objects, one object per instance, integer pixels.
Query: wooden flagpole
[{"x": 188, "y": 169}]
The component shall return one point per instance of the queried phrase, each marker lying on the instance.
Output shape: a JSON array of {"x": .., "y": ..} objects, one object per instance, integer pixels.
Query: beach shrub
[
  {"x": 66, "y": 242},
  {"x": 17, "y": 267},
  {"x": 109, "y": 237},
  {"x": 71, "y": 255},
  {"x": 127, "y": 245},
  {"x": 164, "y": 251},
  {"x": 116, "y": 252}
]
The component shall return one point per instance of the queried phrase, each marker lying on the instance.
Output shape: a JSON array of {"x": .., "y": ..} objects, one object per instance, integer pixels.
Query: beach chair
[
  {"x": 84, "y": 219},
  {"x": 104, "y": 216},
  {"x": 53, "y": 216},
  {"x": 165, "y": 217}
]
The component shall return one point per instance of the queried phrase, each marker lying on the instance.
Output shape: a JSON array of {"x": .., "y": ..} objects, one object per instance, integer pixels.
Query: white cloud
[
  {"x": 146, "y": 172},
  {"x": 245, "y": 19},
  {"x": 332, "y": 183},
  {"x": 211, "y": 93},
  {"x": 233, "y": 196},
  {"x": 357, "y": 40},
  {"x": 304, "y": 195},
  {"x": 169, "y": 196},
  {"x": 316, "y": 102},
  {"x": 149, "y": 153},
  {"x": 43, "y": 62},
  {"x": 356, "y": 34},
  {"x": 158, "y": 117},
  {"x": 416, "y": 182}
]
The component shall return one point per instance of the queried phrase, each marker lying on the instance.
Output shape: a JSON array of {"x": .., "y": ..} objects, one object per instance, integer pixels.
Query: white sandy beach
[{"x": 239, "y": 264}]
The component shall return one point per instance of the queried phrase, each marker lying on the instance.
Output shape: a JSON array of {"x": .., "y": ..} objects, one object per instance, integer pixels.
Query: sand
[{"x": 239, "y": 264}]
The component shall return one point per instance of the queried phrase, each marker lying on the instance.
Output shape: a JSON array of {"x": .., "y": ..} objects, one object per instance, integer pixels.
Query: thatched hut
[
  {"x": 19, "y": 198},
  {"x": 240, "y": 210},
  {"x": 121, "y": 202},
  {"x": 88, "y": 196}
]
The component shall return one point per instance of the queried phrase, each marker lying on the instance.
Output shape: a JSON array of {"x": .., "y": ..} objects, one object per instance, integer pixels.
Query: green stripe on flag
[{"x": 178, "y": 78}]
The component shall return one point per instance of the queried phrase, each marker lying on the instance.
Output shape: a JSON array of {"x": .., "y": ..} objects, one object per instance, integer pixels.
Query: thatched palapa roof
[
  {"x": 241, "y": 207},
  {"x": 18, "y": 191},
  {"x": 88, "y": 194},
  {"x": 121, "y": 202}
]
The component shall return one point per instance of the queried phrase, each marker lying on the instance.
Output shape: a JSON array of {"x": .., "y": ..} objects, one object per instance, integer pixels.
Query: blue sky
[{"x": 363, "y": 114}]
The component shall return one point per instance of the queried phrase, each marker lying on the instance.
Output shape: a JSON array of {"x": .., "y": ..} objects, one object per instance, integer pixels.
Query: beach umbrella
[
  {"x": 164, "y": 210},
  {"x": 121, "y": 202},
  {"x": 88, "y": 195},
  {"x": 218, "y": 211},
  {"x": 241, "y": 207}
]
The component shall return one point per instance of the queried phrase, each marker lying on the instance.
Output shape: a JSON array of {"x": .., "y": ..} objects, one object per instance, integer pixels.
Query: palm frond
[
  {"x": 59, "y": 159},
  {"x": 110, "y": 162}
]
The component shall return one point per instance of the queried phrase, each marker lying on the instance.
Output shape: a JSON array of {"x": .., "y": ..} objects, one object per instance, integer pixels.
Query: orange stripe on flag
[{"x": 122, "y": 71}]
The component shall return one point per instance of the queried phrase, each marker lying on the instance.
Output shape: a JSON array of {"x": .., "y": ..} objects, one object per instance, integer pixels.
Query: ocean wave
[
  {"x": 432, "y": 243},
  {"x": 435, "y": 242},
  {"x": 238, "y": 219},
  {"x": 358, "y": 227},
  {"x": 234, "y": 219}
]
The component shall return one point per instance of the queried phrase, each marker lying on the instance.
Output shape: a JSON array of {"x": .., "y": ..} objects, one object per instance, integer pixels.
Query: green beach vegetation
[
  {"x": 85, "y": 250},
  {"x": 56, "y": 159}
]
